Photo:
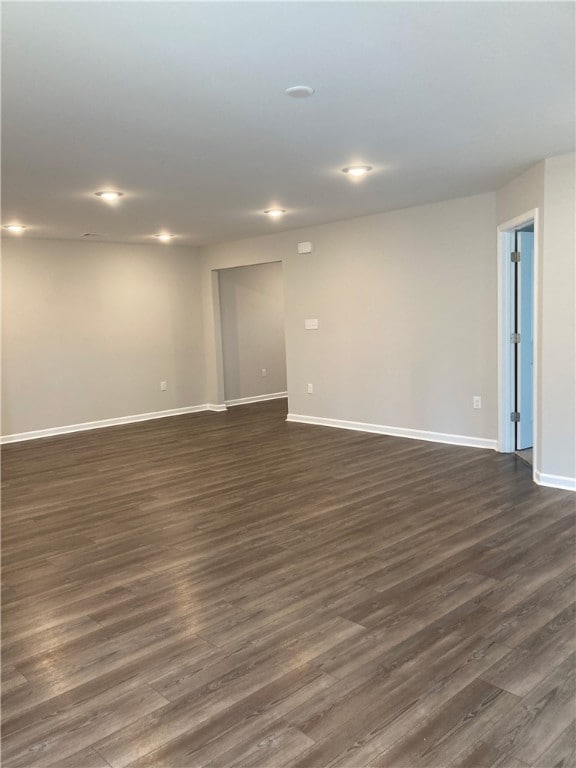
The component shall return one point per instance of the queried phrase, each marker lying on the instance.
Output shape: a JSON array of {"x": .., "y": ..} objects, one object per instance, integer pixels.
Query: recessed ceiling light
[
  {"x": 109, "y": 195},
  {"x": 164, "y": 237},
  {"x": 274, "y": 213},
  {"x": 357, "y": 170},
  {"x": 16, "y": 229},
  {"x": 299, "y": 91}
]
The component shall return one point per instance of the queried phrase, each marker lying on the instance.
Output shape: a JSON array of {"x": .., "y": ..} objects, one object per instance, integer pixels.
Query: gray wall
[
  {"x": 252, "y": 313},
  {"x": 406, "y": 303},
  {"x": 549, "y": 187},
  {"x": 406, "y": 300},
  {"x": 558, "y": 396},
  {"x": 89, "y": 331}
]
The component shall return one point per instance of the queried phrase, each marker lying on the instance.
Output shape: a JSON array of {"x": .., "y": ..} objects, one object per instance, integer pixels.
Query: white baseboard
[
  {"x": 219, "y": 407},
  {"x": 87, "y": 425},
  {"x": 379, "y": 429},
  {"x": 257, "y": 399},
  {"x": 555, "y": 481}
]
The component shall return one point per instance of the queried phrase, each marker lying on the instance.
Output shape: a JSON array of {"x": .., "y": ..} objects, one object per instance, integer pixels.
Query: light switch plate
[{"x": 311, "y": 325}]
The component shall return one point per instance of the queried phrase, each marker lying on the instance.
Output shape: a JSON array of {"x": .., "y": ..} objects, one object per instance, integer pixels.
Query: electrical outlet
[
  {"x": 264, "y": 372},
  {"x": 163, "y": 386},
  {"x": 477, "y": 401},
  {"x": 310, "y": 389}
]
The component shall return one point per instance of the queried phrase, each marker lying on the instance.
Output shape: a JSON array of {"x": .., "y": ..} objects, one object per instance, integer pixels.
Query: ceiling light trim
[
  {"x": 357, "y": 170},
  {"x": 110, "y": 195},
  {"x": 164, "y": 237}
]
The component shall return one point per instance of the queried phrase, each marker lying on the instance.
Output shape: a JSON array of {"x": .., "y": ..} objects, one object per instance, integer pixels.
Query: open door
[
  {"x": 518, "y": 327},
  {"x": 524, "y": 337}
]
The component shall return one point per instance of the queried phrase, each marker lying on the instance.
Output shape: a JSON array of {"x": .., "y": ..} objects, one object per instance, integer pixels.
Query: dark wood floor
[{"x": 232, "y": 590}]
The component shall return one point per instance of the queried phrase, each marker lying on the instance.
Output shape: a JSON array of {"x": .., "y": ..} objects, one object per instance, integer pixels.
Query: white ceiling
[{"x": 182, "y": 106}]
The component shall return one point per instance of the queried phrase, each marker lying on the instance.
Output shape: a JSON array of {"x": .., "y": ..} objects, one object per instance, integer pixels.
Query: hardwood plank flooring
[{"x": 232, "y": 590}]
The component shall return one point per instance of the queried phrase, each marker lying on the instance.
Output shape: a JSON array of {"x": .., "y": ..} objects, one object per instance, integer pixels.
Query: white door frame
[{"x": 506, "y": 443}]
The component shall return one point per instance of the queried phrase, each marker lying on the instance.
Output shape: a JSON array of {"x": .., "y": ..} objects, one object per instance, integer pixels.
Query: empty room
[{"x": 288, "y": 384}]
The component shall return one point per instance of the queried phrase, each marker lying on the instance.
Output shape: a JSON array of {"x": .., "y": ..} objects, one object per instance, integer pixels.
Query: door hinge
[
  {"x": 515, "y": 256},
  {"x": 515, "y": 338},
  {"x": 515, "y": 416}
]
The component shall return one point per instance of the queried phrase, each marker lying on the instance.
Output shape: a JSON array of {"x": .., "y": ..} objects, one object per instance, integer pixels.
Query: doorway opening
[
  {"x": 517, "y": 329},
  {"x": 253, "y": 347}
]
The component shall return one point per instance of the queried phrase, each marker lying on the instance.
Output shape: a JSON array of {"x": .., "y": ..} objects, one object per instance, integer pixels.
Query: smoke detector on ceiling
[{"x": 299, "y": 91}]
